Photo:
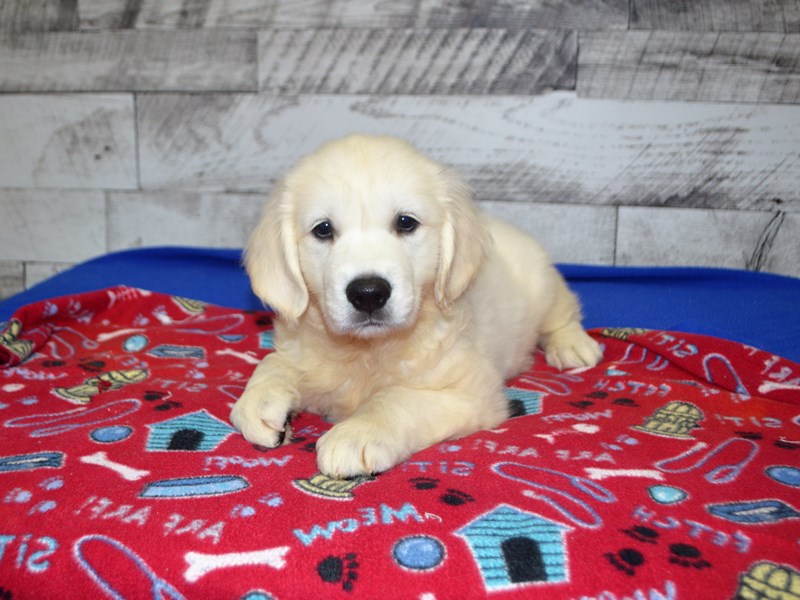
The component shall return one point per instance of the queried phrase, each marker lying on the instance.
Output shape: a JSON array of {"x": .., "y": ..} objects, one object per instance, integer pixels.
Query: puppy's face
[
  {"x": 366, "y": 227},
  {"x": 368, "y": 236}
]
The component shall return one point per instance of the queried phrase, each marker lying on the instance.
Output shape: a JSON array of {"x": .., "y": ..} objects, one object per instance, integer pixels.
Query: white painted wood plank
[
  {"x": 38, "y": 15},
  {"x": 669, "y": 65},
  {"x": 784, "y": 255},
  {"x": 596, "y": 14},
  {"x": 12, "y": 278},
  {"x": 717, "y": 15},
  {"x": 434, "y": 13},
  {"x": 129, "y": 61},
  {"x": 51, "y": 225},
  {"x": 720, "y": 238},
  {"x": 36, "y": 272},
  {"x": 416, "y": 61},
  {"x": 72, "y": 141},
  {"x": 176, "y": 14},
  {"x": 549, "y": 148},
  {"x": 181, "y": 218},
  {"x": 570, "y": 233}
]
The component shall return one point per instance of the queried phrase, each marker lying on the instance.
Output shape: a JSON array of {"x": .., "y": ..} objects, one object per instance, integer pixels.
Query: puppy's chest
[
  {"x": 335, "y": 384},
  {"x": 336, "y": 376}
]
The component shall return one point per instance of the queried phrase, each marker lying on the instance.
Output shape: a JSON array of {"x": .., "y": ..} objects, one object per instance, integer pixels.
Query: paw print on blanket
[
  {"x": 626, "y": 560},
  {"x": 424, "y": 483},
  {"x": 642, "y": 534},
  {"x": 451, "y": 497},
  {"x": 339, "y": 569},
  {"x": 92, "y": 366},
  {"x": 686, "y": 555},
  {"x": 456, "y": 497},
  {"x": 162, "y": 398}
]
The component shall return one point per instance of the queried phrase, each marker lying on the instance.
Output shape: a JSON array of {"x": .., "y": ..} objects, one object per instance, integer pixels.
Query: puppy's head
[{"x": 366, "y": 227}]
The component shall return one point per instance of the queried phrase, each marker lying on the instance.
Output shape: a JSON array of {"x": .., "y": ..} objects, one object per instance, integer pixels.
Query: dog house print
[
  {"x": 523, "y": 402},
  {"x": 197, "y": 431},
  {"x": 513, "y": 547}
]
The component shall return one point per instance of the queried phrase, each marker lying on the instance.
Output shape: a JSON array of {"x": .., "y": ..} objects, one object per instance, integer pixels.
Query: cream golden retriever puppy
[{"x": 401, "y": 309}]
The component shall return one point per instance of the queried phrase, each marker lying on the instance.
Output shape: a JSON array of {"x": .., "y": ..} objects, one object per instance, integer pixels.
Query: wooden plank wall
[{"x": 618, "y": 131}]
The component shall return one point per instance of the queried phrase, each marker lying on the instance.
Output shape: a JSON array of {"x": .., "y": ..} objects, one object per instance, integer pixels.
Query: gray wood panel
[
  {"x": 67, "y": 141},
  {"x": 721, "y": 238},
  {"x": 12, "y": 278},
  {"x": 45, "y": 225},
  {"x": 175, "y": 14},
  {"x": 570, "y": 233},
  {"x": 36, "y": 272},
  {"x": 38, "y": 15},
  {"x": 778, "y": 248},
  {"x": 138, "y": 219},
  {"x": 662, "y": 65},
  {"x": 129, "y": 60},
  {"x": 717, "y": 15},
  {"x": 549, "y": 148},
  {"x": 416, "y": 61},
  {"x": 595, "y": 14},
  {"x": 559, "y": 114}
]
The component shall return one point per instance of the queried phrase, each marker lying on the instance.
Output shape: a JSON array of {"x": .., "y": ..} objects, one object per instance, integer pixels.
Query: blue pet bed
[{"x": 757, "y": 309}]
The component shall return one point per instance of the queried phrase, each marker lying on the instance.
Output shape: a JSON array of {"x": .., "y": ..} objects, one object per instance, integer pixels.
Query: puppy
[{"x": 401, "y": 310}]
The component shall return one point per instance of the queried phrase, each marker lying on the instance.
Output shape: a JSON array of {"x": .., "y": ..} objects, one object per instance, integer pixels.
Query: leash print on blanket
[
  {"x": 109, "y": 580},
  {"x": 653, "y": 475},
  {"x": 560, "y": 491}
]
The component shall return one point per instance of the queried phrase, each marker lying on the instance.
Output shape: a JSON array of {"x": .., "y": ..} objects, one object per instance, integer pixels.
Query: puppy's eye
[
  {"x": 323, "y": 230},
  {"x": 405, "y": 224}
]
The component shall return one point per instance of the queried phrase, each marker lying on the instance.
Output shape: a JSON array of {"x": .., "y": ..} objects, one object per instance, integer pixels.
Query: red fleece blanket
[{"x": 668, "y": 471}]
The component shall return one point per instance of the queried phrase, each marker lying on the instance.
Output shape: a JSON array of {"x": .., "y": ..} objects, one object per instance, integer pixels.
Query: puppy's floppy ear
[
  {"x": 465, "y": 241},
  {"x": 272, "y": 261}
]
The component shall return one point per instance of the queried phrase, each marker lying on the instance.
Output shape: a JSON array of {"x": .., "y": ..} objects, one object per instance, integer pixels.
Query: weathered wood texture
[
  {"x": 12, "y": 277},
  {"x": 716, "y": 15},
  {"x": 557, "y": 226},
  {"x": 129, "y": 61},
  {"x": 261, "y": 14},
  {"x": 616, "y": 131},
  {"x": 416, "y": 61},
  {"x": 547, "y": 148},
  {"x": 67, "y": 141},
  {"x": 663, "y": 65},
  {"x": 137, "y": 219},
  {"x": 722, "y": 238},
  {"x": 36, "y": 272},
  {"x": 44, "y": 225},
  {"x": 38, "y": 15}
]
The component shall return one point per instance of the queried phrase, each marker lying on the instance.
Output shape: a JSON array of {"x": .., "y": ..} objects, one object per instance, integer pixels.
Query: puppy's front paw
[
  {"x": 353, "y": 448},
  {"x": 262, "y": 419},
  {"x": 571, "y": 347}
]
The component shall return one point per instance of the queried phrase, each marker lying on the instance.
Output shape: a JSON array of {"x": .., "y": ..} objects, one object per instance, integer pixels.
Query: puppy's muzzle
[{"x": 368, "y": 294}]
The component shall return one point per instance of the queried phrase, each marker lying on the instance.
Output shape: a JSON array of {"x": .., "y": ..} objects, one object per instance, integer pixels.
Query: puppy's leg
[
  {"x": 566, "y": 345},
  {"x": 397, "y": 422},
  {"x": 262, "y": 411}
]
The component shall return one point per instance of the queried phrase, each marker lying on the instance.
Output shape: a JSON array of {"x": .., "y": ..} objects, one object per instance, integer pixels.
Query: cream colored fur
[{"x": 470, "y": 298}]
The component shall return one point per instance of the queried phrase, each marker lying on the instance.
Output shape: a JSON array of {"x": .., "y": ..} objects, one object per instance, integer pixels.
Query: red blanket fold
[{"x": 670, "y": 470}]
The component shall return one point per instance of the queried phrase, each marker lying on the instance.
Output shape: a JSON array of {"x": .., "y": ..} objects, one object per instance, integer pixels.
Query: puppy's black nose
[{"x": 368, "y": 294}]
